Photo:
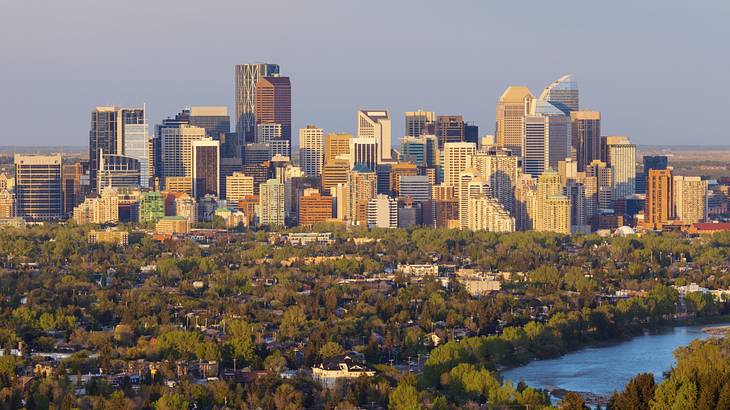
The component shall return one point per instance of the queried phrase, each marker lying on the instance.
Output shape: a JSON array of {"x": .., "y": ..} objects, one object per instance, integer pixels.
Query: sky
[{"x": 656, "y": 69}]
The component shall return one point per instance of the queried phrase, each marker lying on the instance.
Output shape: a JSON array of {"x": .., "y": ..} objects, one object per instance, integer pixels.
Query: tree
[
  {"x": 637, "y": 394},
  {"x": 573, "y": 401},
  {"x": 331, "y": 349},
  {"x": 292, "y": 321},
  {"x": 172, "y": 401},
  {"x": 404, "y": 397},
  {"x": 288, "y": 398}
]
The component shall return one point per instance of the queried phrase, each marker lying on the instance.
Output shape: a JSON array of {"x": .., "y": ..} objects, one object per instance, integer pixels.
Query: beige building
[
  {"x": 172, "y": 225},
  {"x": 111, "y": 236},
  {"x": 272, "y": 203},
  {"x": 498, "y": 166},
  {"x": 418, "y": 122},
  {"x": 555, "y": 215},
  {"x": 102, "y": 209},
  {"x": 176, "y": 151},
  {"x": 310, "y": 150},
  {"x": 336, "y": 146},
  {"x": 457, "y": 157},
  {"x": 471, "y": 185},
  {"x": 238, "y": 185},
  {"x": 7, "y": 204},
  {"x": 621, "y": 157},
  {"x": 690, "y": 199},
  {"x": 187, "y": 207},
  {"x": 487, "y": 214},
  {"x": 179, "y": 184},
  {"x": 361, "y": 188},
  {"x": 376, "y": 124},
  {"x": 338, "y": 369},
  {"x": 511, "y": 109}
]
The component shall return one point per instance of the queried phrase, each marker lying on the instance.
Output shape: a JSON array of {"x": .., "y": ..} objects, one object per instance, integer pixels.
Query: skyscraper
[
  {"x": 586, "y": 136},
  {"x": 419, "y": 123},
  {"x": 336, "y": 146},
  {"x": 563, "y": 93},
  {"x": 364, "y": 151},
  {"x": 272, "y": 203},
  {"x": 621, "y": 157},
  {"x": 311, "y": 152},
  {"x": 238, "y": 186},
  {"x": 382, "y": 212},
  {"x": 659, "y": 198},
  {"x": 604, "y": 180},
  {"x": 108, "y": 134},
  {"x": 206, "y": 167},
  {"x": 361, "y": 187},
  {"x": 535, "y": 145},
  {"x": 118, "y": 171},
  {"x": 38, "y": 190},
  {"x": 471, "y": 185},
  {"x": 485, "y": 213},
  {"x": 376, "y": 124},
  {"x": 649, "y": 162},
  {"x": 511, "y": 109},
  {"x": 449, "y": 128},
  {"x": 690, "y": 199},
  {"x": 247, "y": 77},
  {"x": 176, "y": 153},
  {"x": 214, "y": 119},
  {"x": 456, "y": 159},
  {"x": 273, "y": 103},
  {"x": 499, "y": 167}
]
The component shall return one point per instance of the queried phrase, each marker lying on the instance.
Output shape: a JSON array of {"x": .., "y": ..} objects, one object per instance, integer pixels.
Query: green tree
[
  {"x": 172, "y": 401},
  {"x": 331, "y": 349},
  {"x": 404, "y": 397},
  {"x": 637, "y": 394},
  {"x": 573, "y": 401}
]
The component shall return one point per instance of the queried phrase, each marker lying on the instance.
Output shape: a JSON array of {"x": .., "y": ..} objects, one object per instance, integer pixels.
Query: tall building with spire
[
  {"x": 511, "y": 109},
  {"x": 246, "y": 78}
]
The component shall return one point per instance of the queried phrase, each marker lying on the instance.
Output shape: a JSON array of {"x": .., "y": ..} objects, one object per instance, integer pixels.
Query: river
[{"x": 603, "y": 369}]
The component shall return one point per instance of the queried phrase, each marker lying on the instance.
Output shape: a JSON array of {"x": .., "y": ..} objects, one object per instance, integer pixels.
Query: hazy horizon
[{"x": 652, "y": 68}]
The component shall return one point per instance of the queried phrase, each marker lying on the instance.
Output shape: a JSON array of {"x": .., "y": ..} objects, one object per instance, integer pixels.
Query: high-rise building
[
  {"x": 206, "y": 167},
  {"x": 214, "y": 119},
  {"x": 314, "y": 208},
  {"x": 535, "y": 145},
  {"x": 137, "y": 147},
  {"x": 176, "y": 152},
  {"x": 649, "y": 162},
  {"x": 511, "y": 109},
  {"x": 419, "y": 123},
  {"x": 334, "y": 172},
  {"x": 311, "y": 152},
  {"x": 471, "y": 133},
  {"x": 621, "y": 157},
  {"x": 586, "y": 136},
  {"x": 273, "y": 103},
  {"x": 446, "y": 206},
  {"x": 563, "y": 93},
  {"x": 7, "y": 204},
  {"x": 376, "y": 124},
  {"x": 265, "y": 133},
  {"x": 550, "y": 211},
  {"x": 238, "y": 186},
  {"x": 186, "y": 207},
  {"x": 659, "y": 198},
  {"x": 108, "y": 134},
  {"x": 471, "y": 185},
  {"x": 101, "y": 209},
  {"x": 604, "y": 180},
  {"x": 272, "y": 203},
  {"x": 398, "y": 171},
  {"x": 485, "y": 213},
  {"x": 422, "y": 151},
  {"x": 557, "y": 131},
  {"x": 364, "y": 151},
  {"x": 38, "y": 190},
  {"x": 449, "y": 128},
  {"x": 151, "y": 207},
  {"x": 247, "y": 77},
  {"x": 118, "y": 171},
  {"x": 336, "y": 146},
  {"x": 74, "y": 189},
  {"x": 456, "y": 159},
  {"x": 690, "y": 199},
  {"x": 256, "y": 153},
  {"x": 416, "y": 187},
  {"x": 498, "y": 166},
  {"x": 382, "y": 212},
  {"x": 575, "y": 192},
  {"x": 361, "y": 188}
]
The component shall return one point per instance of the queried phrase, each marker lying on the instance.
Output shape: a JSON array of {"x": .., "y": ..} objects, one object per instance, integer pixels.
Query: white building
[
  {"x": 382, "y": 212},
  {"x": 311, "y": 150},
  {"x": 376, "y": 124}
]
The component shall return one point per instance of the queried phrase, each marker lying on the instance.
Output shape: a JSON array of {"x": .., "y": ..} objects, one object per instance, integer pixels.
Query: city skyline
[{"x": 136, "y": 75}]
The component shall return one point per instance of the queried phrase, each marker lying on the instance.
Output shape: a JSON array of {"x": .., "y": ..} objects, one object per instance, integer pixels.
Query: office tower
[
  {"x": 690, "y": 199},
  {"x": 273, "y": 103},
  {"x": 74, "y": 190},
  {"x": 449, "y": 128},
  {"x": 421, "y": 151},
  {"x": 446, "y": 206},
  {"x": 659, "y": 198},
  {"x": 535, "y": 146},
  {"x": 575, "y": 192},
  {"x": 398, "y": 171},
  {"x": 471, "y": 133},
  {"x": 511, "y": 109},
  {"x": 382, "y": 212},
  {"x": 336, "y": 146},
  {"x": 555, "y": 215},
  {"x": 314, "y": 208},
  {"x": 280, "y": 148},
  {"x": 361, "y": 187},
  {"x": 568, "y": 170},
  {"x": 176, "y": 152},
  {"x": 649, "y": 162},
  {"x": 265, "y": 133},
  {"x": 563, "y": 93},
  {"x": 137, "y": 148},
  {"x": 186, "y": 207},
  {"x": 376, "y": 124},
  {"x": 107, "y": 134},
  {"x": 101, "y": 209},
  {"x": 498, "y": 166},
  {"x": 419, "y": 123},
  {"x": 272, "y": 203},
  {"x": 525, "y": 202},
  {"x": 487, "y": 214},
  {"x": 621, "y": 157},
  {"x": 238, "y": 186},
  {"x": 590, "y": 187},
  {"x": 256, "y": 153},
  {"x": 151, "y": 207},
  {"x": 179, "y": 184},
  {"x": 334, "y": 172},
  {"x": 7, "y": 204},
  {"x": 206, "y": 167},
  {"x": 38, "y": 190},
  {"x": 471, "y": 185},
  {"x": 229, "y": 166},
  {"x": 416, "y": 187},
  {"x": 604, "y": 179},
  {"x": 311, "y": 152},
  {"x": 586, "y": 136},
  {"x": 364, "y": 151},
  {"x": 382, "y": 172},
  {"x": 456, "y": 159},
  {"x": 118, "y": 171},
  {"x": 247, "y": 77},
  {"x": 214, "y": 119},
  {"x": 557, "y": 131}
]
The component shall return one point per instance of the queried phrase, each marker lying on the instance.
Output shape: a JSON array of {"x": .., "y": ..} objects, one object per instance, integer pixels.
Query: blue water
[{"x": 601, "y": 370}]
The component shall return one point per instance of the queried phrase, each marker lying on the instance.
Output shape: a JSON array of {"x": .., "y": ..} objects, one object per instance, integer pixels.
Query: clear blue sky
[{"x": 657, "y": 69}]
